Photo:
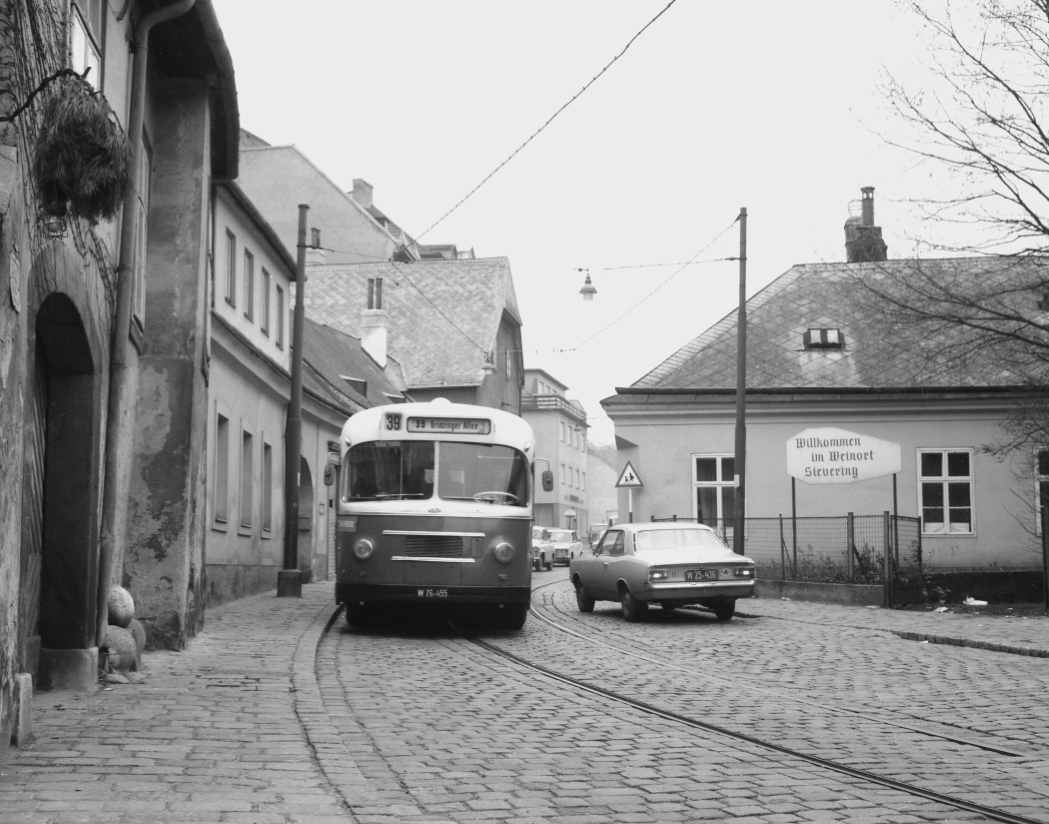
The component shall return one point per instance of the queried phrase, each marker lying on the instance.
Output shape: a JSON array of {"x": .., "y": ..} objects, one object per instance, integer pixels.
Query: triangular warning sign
[{"x": 629, "y": 477}]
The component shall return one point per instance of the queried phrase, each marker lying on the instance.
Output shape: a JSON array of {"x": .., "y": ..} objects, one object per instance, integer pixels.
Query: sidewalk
[
  {"x": 215, "y": 733},
  {"x": 233, "y": 730},
  {"x": 1016, "y": 635}
]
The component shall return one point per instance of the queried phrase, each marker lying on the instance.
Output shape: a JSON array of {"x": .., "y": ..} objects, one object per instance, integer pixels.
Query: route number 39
[{"x": 393, "y": 422}]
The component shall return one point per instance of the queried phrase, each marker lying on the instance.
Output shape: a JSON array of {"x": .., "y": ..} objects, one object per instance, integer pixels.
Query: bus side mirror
[
  {"x": 329, "y": 474},
  {"x": 548, "y": 480}
]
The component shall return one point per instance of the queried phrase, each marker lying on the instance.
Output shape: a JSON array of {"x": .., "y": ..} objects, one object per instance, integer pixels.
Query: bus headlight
[
  {"x": 363, "y": 549},
  {"x": 504, "y": 552}
]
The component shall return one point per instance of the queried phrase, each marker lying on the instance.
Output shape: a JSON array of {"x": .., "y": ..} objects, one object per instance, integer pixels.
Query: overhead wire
[
  {"x": 537, "y": 132},
  {"x": 660, "y": 286}
]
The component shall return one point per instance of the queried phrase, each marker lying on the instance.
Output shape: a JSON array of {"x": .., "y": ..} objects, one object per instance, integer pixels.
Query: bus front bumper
[{"x": 378, "y": 593}]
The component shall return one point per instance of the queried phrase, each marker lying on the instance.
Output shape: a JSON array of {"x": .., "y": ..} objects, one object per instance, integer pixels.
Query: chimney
[
  {"x": 863, "y": 242},
  {"x": 373, "y": 324},
  {"x": 315, "y": 254},
  {"x": 362, "y": 193}
]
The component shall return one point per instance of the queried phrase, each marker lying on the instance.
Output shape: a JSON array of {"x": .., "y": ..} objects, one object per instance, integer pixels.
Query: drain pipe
[{"x": 120, "y": 418}]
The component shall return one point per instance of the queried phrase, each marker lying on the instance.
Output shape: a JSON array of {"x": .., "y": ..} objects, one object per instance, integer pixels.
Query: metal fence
[{"x": 856, "y": 549}]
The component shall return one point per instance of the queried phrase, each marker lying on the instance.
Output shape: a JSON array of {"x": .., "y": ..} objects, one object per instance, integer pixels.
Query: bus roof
[{"x": 439, "y": 419}]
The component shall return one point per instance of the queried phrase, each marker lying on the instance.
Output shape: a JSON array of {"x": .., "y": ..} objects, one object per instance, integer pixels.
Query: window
[
  {"x": 144, "y": 187},
  {"x": 279, "y": 332},
  {"x": 713, "y": 477},
  {"x": 264, "y": 310},
  {"x": 85, "y": 38},
  {"x": 562, "y": 423},
  {"x": 231, "y": 268},
  {"x": 945, "y": 479},
  {"x": 249, "y": 285},
  {"x": 583, "y": 487},
  {"x": 823, "y": 339},
  {"x": 267, "y": 487},
  {"x": 508, "y": 365},
  {"x": 562, "y": 474},
  {"x": 246, "y": 478},
  {"x": 221, "y": 468}
]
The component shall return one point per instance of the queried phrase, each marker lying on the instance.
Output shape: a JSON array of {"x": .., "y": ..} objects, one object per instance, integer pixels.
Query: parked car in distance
[
  {"x": 566, "y": 545},
  {"x": 593, "y": 535},
  {"x": 542, "y": 549},
  {"x": 670, "y": 564}
]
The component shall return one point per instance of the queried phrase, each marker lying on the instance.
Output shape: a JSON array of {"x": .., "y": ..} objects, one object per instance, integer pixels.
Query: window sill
[{"x": 218, "y": 525}]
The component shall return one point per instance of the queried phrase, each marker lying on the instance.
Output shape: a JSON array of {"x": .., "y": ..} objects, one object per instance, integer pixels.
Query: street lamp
[
  {"x": 739, "y": 515},
  {"x": 588, "y": 291}
]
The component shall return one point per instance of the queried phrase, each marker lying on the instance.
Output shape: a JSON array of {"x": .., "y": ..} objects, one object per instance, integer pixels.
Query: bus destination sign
[{"x": 455, "y": 426}]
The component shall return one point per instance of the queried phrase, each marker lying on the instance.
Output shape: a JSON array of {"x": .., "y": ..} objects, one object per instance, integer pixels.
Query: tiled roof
[
  {"x": 442, "y": 315},
  {"x": 878, "y": 353},
  {"x": 329, "y": 356}
]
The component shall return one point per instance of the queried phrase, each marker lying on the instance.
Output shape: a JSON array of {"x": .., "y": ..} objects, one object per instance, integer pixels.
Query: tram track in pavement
[{"x": 992, "y": 813}]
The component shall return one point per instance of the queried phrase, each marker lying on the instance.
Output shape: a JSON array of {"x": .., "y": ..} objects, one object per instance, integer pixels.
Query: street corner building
[{"x": 855, "y": 406}]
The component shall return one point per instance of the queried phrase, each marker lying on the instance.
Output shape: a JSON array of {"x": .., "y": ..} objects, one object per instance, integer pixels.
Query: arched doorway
[
  {"x": 305, "y": 533},
  {"x": 59, "y": 580}
]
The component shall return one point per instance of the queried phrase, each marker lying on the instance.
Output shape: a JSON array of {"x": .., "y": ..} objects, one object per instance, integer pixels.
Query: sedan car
[
  {"x": 670, "y": 564},
  {"x": 542, "y": 549},
  {"x": 566, "y": 545}
]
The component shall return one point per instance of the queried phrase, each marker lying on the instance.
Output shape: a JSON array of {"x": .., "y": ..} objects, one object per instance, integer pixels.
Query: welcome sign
[{"x": 837, "y": 456}]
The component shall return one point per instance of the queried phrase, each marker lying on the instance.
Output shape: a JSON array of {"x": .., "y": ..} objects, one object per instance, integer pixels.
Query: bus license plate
[
  {"x": 432, "y": 593},
  {"x": 701, "y": 574}
]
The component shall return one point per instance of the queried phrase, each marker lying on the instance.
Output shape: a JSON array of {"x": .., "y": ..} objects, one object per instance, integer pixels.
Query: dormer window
[
  {"x": 823, "y": 339},
  {"x": 359, "y": 385}
]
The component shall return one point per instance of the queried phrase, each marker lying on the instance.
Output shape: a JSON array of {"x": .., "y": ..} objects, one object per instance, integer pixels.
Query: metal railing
[{"x": 852, "y": 549}]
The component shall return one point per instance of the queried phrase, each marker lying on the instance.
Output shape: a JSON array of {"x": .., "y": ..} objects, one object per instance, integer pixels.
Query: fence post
[
  {"x": 887, "y": 555},
  {"x": 850, "y": 549},
  {"x": 782, "y": 551}
]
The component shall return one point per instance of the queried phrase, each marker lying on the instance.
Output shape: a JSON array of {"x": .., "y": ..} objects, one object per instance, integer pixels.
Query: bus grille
[{"x": 433, "y": 546}]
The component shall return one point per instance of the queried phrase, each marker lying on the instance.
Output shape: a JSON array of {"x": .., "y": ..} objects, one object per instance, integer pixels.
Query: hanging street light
[{"x": 588, "y": 291}]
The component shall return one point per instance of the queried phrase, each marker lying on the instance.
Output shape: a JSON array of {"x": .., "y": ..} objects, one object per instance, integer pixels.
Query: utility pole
[
  {"x": 289, "y": 579},
  {"x": 739, "y": 520}
]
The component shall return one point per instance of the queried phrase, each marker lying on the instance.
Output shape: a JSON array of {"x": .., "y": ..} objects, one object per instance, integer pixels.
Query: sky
[{"x": 775, "y": 107}]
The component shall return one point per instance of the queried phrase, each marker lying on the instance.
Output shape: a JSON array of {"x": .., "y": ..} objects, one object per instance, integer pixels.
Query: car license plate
[
  {"x": 432, "y": 593},
  {"x": 701, "y": 574}
]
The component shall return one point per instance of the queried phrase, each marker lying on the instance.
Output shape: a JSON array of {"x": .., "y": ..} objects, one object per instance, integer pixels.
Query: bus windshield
[{"x": 402, "y": 470}]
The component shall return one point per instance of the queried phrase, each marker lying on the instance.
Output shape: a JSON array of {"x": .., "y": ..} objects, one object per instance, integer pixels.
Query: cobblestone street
[{"x": 410, "y": 721}]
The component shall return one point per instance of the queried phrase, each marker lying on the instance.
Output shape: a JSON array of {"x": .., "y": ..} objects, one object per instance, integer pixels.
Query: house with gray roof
[
  {"x": 453, "y": 325},
  {"x": 825, "y": 353}
]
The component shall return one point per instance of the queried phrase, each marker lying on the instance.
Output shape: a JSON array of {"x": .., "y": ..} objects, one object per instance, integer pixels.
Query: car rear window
[{"x": 661, "y": 539}]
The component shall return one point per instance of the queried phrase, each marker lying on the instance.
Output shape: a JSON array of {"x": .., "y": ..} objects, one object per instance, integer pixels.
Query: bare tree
[{"x": 978, "y": 120}]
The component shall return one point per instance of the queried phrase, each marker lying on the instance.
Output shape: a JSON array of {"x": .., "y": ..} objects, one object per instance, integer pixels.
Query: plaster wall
[
  {"x": 279, "y": 178},
  {"x": 667, "y": 436},
  {"x": 163, "y": 562},
  {"x": 261, "y": 333}
]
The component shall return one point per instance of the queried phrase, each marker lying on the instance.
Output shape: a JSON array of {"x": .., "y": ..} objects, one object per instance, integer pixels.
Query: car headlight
[
  {"x": 504, "y": 552},
  {"x": 658, "y": 575},
  {"x": 744, "y": 573},
  {"x": 363, "y": 549}
]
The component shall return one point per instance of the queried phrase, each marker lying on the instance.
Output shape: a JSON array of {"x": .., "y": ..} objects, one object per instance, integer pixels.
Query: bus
[{"x": 435, "y": 507}]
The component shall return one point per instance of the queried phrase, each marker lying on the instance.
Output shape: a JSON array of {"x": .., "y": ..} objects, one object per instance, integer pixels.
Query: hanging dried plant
[{"x": 82, "y": 158}]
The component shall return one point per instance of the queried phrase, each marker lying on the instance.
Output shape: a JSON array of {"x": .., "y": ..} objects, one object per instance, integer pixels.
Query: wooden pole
[
  {"x": 739, "y": 522},
  {"x": 289, "y": 579}
]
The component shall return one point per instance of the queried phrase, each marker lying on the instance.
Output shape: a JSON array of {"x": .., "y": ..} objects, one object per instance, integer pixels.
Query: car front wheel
[
  {"x": 583, "y": 600},
  {"x": 633, "y": 609}
]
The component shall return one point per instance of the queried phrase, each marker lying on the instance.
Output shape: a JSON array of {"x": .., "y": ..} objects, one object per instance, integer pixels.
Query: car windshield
[
  {"x": 660, "y": 540},
  {"x": 562, "y": 535}
]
